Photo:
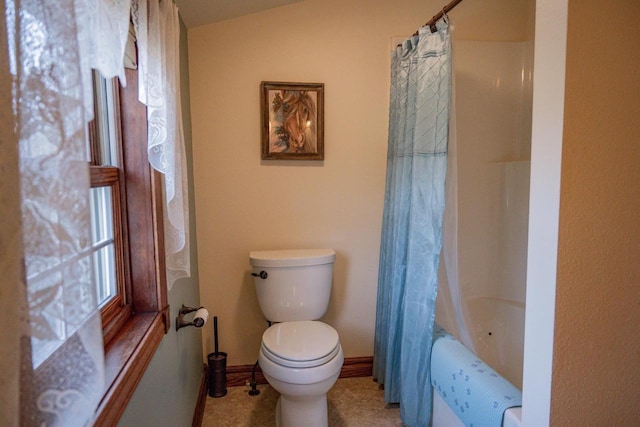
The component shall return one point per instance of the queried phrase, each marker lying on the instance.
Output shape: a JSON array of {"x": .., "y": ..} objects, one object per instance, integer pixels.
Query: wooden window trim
[{"x": 130, "y": 350}]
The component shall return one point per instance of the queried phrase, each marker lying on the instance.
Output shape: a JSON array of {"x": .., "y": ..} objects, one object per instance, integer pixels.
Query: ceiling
[{"x": 202, "y": 12}]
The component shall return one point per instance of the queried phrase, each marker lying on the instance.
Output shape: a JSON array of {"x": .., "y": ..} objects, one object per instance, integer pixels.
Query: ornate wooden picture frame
[{"x": 292, "y": 121}]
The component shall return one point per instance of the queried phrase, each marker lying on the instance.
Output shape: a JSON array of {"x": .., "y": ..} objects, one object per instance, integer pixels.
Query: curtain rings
[
  {"x": 434, "y": 20},
  {"x": 433, "y": 27}
]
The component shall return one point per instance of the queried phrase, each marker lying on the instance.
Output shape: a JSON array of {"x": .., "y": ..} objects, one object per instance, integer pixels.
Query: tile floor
[{"x": 353, "y": 402}]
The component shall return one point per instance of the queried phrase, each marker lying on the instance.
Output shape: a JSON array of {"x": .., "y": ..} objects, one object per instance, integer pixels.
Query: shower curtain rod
[{"x": 432, "y": 22}]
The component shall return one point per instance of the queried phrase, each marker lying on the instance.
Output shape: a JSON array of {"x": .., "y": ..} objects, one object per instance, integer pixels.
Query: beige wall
[
  {"x": 244, "y": 204},
  {"x": 596, "y": 364}
]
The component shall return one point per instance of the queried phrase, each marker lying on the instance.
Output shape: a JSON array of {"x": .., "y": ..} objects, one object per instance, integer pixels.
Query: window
[
  {"x": 127, "y": 219},
  {"x": 125, "y": 215},
  {"x": 108, "y": 202}
]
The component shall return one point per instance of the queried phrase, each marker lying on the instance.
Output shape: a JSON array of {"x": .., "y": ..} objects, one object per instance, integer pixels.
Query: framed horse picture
[{"x": 292, "y": 121}]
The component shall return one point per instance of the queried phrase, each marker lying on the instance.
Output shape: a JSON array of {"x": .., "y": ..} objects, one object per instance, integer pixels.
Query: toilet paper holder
[{"x": 199, "y": 319}]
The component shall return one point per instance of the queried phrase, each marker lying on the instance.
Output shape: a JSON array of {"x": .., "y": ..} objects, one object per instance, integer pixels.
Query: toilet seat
[{"x": 300, "y": 344}]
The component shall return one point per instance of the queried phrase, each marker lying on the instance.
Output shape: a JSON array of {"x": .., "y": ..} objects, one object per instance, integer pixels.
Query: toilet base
[
  {"x": 303, "y": 392},
  {"x": 302, "y": 411}
]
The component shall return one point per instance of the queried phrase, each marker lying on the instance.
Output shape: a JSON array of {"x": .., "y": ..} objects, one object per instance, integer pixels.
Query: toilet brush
[{"x": 215, "y": 335}]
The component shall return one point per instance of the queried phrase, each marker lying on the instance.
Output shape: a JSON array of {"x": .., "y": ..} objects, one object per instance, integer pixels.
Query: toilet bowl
[
  {"x": 300, "y": 356},
  {"x": 302, "y": 361}
]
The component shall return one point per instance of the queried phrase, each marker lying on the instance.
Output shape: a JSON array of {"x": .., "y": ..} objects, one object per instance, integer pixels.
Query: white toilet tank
[{"x": 297, "y": 283}]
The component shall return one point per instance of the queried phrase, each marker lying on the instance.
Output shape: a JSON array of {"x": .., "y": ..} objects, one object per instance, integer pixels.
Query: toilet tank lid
[{"x": 292, "y": 257}]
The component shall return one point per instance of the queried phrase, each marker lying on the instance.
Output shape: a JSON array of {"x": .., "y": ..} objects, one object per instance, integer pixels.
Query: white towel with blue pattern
[{"x": 475, "y": 392}]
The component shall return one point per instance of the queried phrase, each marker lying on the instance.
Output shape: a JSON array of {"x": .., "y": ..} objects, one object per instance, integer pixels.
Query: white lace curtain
[
  {"x": 159, "y": 89},
  {"x": 51, "y": 356}
]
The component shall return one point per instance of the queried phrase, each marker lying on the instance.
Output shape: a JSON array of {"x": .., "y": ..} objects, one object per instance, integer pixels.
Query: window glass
[
  {"x": 103, "y": 242},
  {"x": 107, "y": 126}
]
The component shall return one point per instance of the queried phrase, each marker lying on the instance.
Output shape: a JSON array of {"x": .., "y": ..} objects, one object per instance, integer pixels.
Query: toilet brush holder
[
  {"x": 217, "y": 367},
  {"x": 217, "y": 374}
]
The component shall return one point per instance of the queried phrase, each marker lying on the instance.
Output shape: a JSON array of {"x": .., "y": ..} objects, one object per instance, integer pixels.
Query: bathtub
[
  {"x": 468, "y": 391},
  {"x": 497, "y": 328},
  {"x": 443, "y": 416}
]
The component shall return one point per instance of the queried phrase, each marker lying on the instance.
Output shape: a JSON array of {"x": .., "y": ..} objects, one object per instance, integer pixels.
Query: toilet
[{"x": 300, "y": 356}]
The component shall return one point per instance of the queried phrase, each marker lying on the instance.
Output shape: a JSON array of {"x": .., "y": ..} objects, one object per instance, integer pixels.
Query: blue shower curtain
[{"x": 412, "y": 221}]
